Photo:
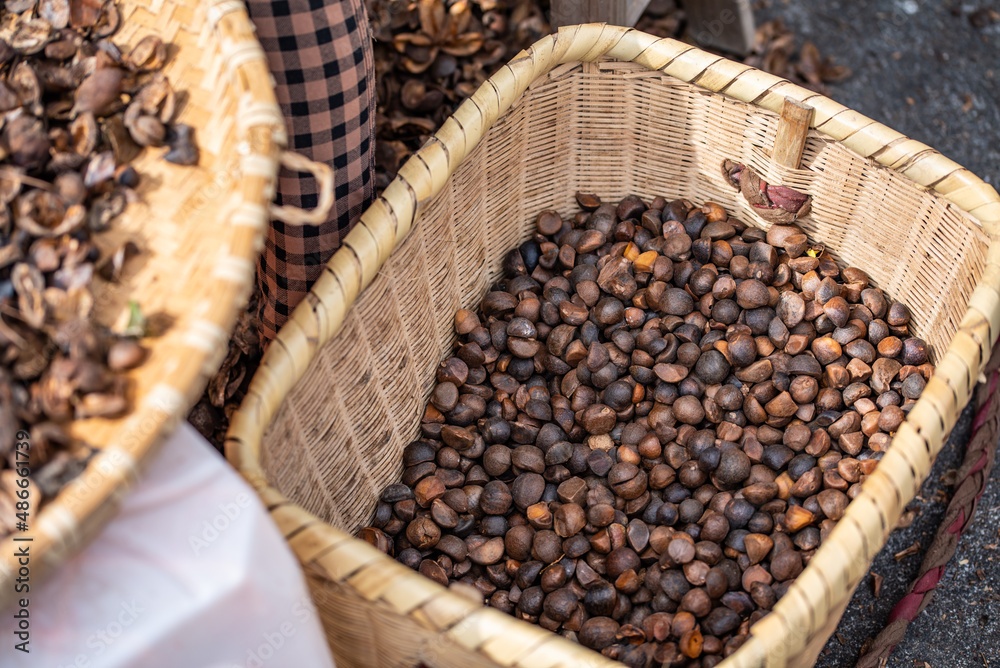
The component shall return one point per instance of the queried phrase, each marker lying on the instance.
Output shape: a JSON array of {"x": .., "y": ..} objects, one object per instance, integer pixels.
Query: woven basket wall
[
  {"x": 342, "y": 392},
  {"x": 199, "y": 229}
]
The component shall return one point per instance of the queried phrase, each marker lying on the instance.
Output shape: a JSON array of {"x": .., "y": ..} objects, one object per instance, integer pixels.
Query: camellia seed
[{"x": 649, "y": 425}]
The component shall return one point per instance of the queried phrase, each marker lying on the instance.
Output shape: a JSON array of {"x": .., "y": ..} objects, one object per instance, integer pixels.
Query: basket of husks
[
  {"x": 609, "y": 373},
  {"x": 141, "y": 143}
]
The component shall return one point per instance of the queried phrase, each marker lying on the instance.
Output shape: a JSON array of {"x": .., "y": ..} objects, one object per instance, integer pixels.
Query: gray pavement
[
  {"x": 923, "y": 68},
  {"x": 932, "y": 71}
]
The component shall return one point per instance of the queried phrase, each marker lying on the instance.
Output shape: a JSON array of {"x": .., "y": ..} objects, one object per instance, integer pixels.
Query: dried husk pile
[
  {"x": 75, "y": 111},
  {"x": 432, "y": 54}
]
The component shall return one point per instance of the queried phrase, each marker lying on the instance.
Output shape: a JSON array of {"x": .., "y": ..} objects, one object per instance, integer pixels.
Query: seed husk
[
  {"x": 98, "y": 92},
  {"x": 48, "y": 208}
]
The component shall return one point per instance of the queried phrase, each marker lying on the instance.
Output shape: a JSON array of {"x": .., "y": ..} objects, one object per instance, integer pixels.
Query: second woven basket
[
  {"x": 613, "y": 111},
  {"x": 198, "y": 230}
]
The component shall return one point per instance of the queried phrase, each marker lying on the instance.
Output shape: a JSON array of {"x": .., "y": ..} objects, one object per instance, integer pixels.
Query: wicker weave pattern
[
  {"x": 200, "y": 230},
  {"x": 343, "y": 391}
]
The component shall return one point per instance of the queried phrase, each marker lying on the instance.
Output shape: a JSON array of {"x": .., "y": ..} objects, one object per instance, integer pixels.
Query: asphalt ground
[{"x": 930, "y": 70}]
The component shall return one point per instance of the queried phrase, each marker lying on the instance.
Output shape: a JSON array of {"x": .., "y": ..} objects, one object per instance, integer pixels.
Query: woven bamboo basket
[
  {"x": 199, "y": 230},
  {"x": 614, "y": 111}
]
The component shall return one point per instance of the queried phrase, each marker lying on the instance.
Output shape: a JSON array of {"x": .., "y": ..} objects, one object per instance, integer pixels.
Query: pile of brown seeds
[
  {"x": 74, "y": 111},
  {"x": 654, "y": 420}
]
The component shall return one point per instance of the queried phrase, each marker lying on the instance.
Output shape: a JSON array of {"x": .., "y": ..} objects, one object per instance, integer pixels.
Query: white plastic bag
[{"x": 191, "y": 573}]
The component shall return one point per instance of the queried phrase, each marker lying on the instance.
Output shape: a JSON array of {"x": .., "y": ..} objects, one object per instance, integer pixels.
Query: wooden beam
[
  {"x": 635, "y": 10},
  {"x": 615, "y": 12},
  {"x": 726, "y": 25}
]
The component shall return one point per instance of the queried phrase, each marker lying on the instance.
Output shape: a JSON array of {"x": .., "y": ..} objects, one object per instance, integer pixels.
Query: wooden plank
[
  {"x": 634, "y": 11},
  {"x": 615, "y": 12},
  {"x": 726, "y": 25},
  {"x": 793, "y": 128}
]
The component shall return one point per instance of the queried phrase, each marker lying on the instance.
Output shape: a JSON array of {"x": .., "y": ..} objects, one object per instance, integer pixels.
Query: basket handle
[
  {"x": 792, "y": 133},
  {"x": 323, "y": 173}
]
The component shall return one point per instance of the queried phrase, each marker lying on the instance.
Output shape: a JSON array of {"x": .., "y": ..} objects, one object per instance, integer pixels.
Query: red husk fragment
[{"x": 777, "y": 204}]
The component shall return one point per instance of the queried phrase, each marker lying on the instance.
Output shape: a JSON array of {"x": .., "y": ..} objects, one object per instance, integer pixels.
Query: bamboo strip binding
[{"x": 376, "y": 611}]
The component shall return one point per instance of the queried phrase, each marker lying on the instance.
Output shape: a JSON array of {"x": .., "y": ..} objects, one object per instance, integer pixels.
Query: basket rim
[
  {"x": 85, "y": 505},
  {"x": 826, "y": 584}
]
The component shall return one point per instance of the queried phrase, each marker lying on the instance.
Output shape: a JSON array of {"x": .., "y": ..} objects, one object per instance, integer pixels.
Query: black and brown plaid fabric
[{"x": 320, "y": 53}]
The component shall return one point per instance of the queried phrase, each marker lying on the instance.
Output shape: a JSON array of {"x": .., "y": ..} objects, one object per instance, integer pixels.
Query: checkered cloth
[{"x": 320, "y": 53}]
